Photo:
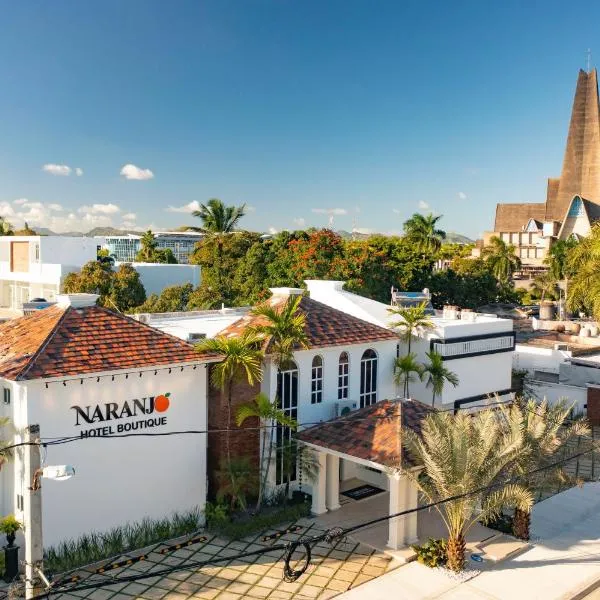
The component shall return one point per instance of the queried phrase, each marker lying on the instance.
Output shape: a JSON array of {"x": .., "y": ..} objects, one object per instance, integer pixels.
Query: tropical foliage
[
  {"x": 413, "y": 322},
  {"x": 151, "y": 253},
  {"x": 406, "y": 370},
  {"x": 422, "y": 231},
  {"x": 502, "y": 259},
  {"x": 436, "y": 374},
  {"x": 462, "y": 455},
  {"x": 583, "y": 262}
]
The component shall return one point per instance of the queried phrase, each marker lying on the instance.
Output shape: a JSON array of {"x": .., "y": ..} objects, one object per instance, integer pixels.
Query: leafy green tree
[
  {"x": 5, "y": 227},
  {"x": 466, "y": 452},
  {"x": 406, "y": 370},
  {"x": 268, "y": 414},
  {"x": 544, "y": 285},
  {"x": 237, "y": 480},
  {"x": 423, "y": 231},
  {"x": 437, "y": 375},
  {"x": 126, "y": 290},
  {"x": 413, "y": 321},
  {"x": 94, "y": 278},
  {"x": 583, "y": 262},
  {"x": 321, "y": 256},
  {"x": 558, "y": 258},
  {"x": 149, "y": 251},
  {"x": 242, "y": 360},
  {"x": 174, "y": 298},
  {"x": 502, "y": 260}
]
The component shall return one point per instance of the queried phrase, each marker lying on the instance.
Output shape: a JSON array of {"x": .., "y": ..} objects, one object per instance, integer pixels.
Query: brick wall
[
  {"x": 244, "y": 441},
  {"x": 593, "y": 405}
]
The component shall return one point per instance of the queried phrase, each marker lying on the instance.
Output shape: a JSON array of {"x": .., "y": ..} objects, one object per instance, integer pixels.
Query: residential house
[{"x": 76, "y": 369}]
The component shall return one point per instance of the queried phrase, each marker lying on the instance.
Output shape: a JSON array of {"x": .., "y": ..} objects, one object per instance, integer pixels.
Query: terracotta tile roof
[
  {"x": 372, "y": 433},
  {"x": 325, "y": 326},
  {"x": 513, "y": 217},
  {"x": 66, "y": 341}
]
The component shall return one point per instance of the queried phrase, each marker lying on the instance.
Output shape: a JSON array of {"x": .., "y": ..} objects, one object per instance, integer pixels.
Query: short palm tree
[
  {"x": 467, "y": 453},
  {"x": 218, "y": 220},
  {"x": 407, "y": 370},
  {"x": 437, "y": 375},
  {"x": 544, "y": 285},
  {"x": 547, "y": 430},
  {"x": 423, "y": 232},
  {"x": 412, "y": 322},
  {"x": 242, "y": 360},
  {"x": 148, "y": 245},
  {"x": 284, "y": 327},
  {"x": 237, "y": 480},
  {"x": 268, "y": 414},
  {"x": 502, "y": 259}
]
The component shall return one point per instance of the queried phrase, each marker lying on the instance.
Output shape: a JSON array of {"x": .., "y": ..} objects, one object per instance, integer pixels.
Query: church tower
[{"x": 581, "y": 166}]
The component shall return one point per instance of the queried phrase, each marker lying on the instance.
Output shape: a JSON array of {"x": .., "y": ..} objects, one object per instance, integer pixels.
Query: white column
[
  {"x": 319, "y": 484},
  {"x": 333, "y": 482},
  {"x": 410, "y": 521},
  {"x": 396, "y": 525}
]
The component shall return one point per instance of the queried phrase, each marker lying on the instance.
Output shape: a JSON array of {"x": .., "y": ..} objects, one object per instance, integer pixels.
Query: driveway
[
  {"x": 563, "y": 562},
  {"x": 333, "y": 570}
]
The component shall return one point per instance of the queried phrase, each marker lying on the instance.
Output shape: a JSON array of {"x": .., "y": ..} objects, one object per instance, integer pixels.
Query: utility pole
[{"x": 32, "y": 509}]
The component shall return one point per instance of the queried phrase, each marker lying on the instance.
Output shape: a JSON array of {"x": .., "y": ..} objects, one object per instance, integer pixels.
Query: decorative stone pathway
[{"x": 334, "y": 569}]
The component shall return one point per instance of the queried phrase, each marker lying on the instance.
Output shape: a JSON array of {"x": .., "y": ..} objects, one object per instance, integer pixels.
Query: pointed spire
[{"x": 581, "y": 166}]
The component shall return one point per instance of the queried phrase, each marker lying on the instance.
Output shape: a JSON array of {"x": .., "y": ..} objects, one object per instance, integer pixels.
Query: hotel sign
[{"x": 110, "y": 415}]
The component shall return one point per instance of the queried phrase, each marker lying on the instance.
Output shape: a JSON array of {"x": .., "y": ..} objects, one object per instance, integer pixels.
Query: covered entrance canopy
[{"x": 366, "y": 446}]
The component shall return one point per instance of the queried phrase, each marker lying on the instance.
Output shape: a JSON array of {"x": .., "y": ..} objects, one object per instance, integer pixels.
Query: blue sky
[{"x": 365, "y": 110}]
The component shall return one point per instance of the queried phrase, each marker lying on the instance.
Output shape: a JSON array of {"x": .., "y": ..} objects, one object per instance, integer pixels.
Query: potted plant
[{"x": 9, "y": 527}]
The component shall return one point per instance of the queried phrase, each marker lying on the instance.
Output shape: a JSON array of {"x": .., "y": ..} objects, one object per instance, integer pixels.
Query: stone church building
[{"x": 572, "y": 200}]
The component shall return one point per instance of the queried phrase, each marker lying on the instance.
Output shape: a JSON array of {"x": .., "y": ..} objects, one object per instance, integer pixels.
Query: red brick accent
[
  {"x": 593, "y": 405},
  {"x": 244, "y": 440}
]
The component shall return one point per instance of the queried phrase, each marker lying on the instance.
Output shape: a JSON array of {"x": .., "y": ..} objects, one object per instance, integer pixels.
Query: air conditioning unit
[{"x": 343, "y": 408}]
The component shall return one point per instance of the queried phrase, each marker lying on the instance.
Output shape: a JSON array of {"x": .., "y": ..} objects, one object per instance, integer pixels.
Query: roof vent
[{"x": 77, "y": 300}]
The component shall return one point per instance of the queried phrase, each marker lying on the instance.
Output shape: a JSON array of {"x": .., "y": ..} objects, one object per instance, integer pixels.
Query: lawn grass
[{"x": 95, "y": 546}]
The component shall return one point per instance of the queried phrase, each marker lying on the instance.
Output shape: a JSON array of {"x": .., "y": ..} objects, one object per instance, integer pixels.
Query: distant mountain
[
  {"x": 457, "y": 238},
  {"x": 97, "y": 231}
]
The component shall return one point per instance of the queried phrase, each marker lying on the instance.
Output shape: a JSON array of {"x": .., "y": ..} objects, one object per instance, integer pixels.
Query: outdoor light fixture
[
  {"x": 126, "y": 375},
  {"x": 140, "y": 373},
  {"x": 81, "y": 381},
  {"x": 182, "y": 369},
  {"x": 46, "y": 386},
  {"x": 65, "y": 383},
  {"x": 113, "y": 377},
  {"x": 58, "y": 472},
  {"x": 155, "y": 372},
  {"x": 169, "y": 371}
]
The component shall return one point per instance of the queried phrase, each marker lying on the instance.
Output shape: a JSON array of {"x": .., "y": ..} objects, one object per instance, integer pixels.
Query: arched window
[
  {"x": 287, "y": 394},
  {"x": 316, "y": 390},
  {"x": 368, "y": 378},
  {"x": 343, "y": 376}
]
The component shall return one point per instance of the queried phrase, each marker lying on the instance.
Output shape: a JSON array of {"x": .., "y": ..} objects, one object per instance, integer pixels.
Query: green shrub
[
  {"x": 432, "y": 553},
  {"x": 216, "y": 514},
  {"x": 9, "y": 525},
  {"x": 95, "y": 546}
]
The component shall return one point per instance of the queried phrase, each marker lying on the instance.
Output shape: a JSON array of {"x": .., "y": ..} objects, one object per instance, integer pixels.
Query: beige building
[{"x": 572, "y": 201}]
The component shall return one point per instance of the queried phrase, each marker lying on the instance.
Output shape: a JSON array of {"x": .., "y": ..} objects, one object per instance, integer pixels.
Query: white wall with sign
[{"x": 118, "y": 480}]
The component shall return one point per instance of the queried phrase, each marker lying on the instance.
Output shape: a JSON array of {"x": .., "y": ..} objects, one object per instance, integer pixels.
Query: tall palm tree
[
  {"x": 558, "y": 258},
  {"x": 148, "y": 245},
  {"x": 465, "y": 453},
  {"x": 284, "y": 327},
  {"x": 544, "y": 285},
  {"x": 267, "y": 413},
  {"x": 423, "y": 232},
  {"x": 583, "y": 262},
  {"x": 547, "y": 431},
  {"x": 437, "y": 374},
  {"x": 502, "y": 259},
  {"x": 405, "y": 370},
  {"x": 242, "y": 360},
  {"x": 413, "y": 321},
  {"x": 218, "y": 220}
]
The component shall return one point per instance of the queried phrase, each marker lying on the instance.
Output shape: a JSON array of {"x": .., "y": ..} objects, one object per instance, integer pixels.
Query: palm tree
[
  {"x": 466, "y": 453},
  {"x": 502, "y": 259},
  {"x": 583, "y": 262},
  {"x": 242, "y": 360},
  {"x": 413, "y": 321},
  {"x": 546, "y": 432},
  {"x": 405, "y": 367},
  {"x": 5, "y": 227},
  {"x": 284, "y": 327},
  {"x": 545, "y": 284},
  {"x": 437, "y": 374},
  {"x": 558, "y": 258},
  {"x": 218, "y": 220},
  {"x": 422, "y": 231},
  {"x": 148, "y": 247},
  {"x": 236, "y": 481},
  {"x": 267, "y": 413}
]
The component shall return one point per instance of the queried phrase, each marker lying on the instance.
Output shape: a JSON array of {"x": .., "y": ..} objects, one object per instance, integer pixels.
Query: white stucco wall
[
  {"x": 122, "y": 479},
  {"x": 558, "y": 391},
  {"x": 534, "y": 358},
  {"x": 156, "y": 277}
]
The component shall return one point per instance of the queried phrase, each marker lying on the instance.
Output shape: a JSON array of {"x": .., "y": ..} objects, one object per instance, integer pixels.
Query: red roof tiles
[
  {"x": 325, "y": 326},
  {"x": 66, "y": 341},
  {"x": 373, "y": 433}
]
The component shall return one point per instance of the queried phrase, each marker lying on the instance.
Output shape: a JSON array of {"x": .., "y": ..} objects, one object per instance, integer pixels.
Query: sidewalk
[{"x": 563, "y": 563}]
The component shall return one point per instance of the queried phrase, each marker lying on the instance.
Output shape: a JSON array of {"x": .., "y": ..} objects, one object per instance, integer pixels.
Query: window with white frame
[
  {"x": 343, "y": 376},
  {"x": 316, "y": 389},
  {"x": 368, "y": 378}
]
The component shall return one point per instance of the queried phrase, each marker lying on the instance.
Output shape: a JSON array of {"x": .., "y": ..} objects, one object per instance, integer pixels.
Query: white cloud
[
  {"x": 99, "y": 209},
  {"x": 129, "y": 225},
  {"x": 129, "y": 217},
  {"x": 6, "y": 210},
  {"x": 423, "y": 205},
  {"x": 78, "y": 171},
  {"x": 56, "y": 207},
  {"x": 396, "y": 211},
  {"x": 273, "y": 231},
  {"x": 300, "y": 222},
  {"x": 61, "y": 170},
  {"x": 186, "y": 208},
  {"x": 330, "y": 211},
  {"x": 130, "y": 171},
  {"x": 20, "y": 201},
  {"x": 462, "y": 195},
  {"x": 250, "y": 208}
]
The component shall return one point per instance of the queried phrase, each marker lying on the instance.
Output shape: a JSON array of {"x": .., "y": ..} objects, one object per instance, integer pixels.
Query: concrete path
[{"x": 562, "y": 564}]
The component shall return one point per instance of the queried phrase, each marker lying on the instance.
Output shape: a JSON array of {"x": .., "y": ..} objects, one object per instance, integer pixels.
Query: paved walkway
[
  {"x": 334, "y": 569},
  {"x": 561, "y": 565}
]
